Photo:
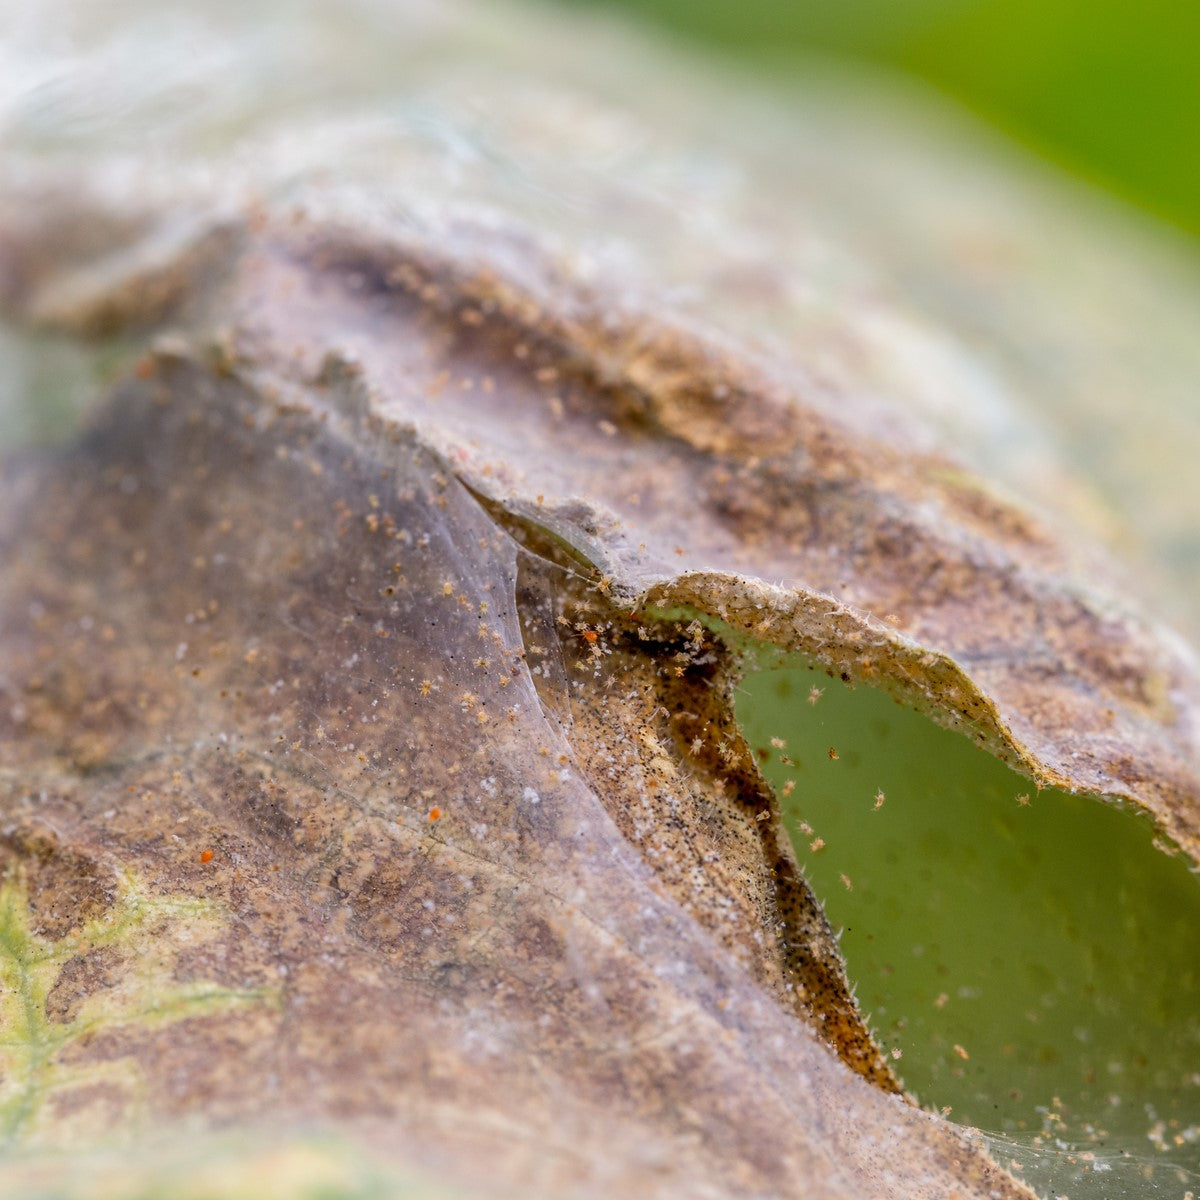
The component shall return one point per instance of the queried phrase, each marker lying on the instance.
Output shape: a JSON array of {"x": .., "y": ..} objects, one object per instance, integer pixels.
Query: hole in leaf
[{"x": 1031, "y": 956}]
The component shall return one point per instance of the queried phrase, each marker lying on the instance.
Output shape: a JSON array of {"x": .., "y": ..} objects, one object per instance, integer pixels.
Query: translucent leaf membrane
[
  {"x": 471, "y": 345},
  {"x": 1029, "y": 957},
  {"x": 269, "y": 671}
]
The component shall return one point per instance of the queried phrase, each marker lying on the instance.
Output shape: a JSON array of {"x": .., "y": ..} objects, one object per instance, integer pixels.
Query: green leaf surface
[{"x": 1027, "y": 955}]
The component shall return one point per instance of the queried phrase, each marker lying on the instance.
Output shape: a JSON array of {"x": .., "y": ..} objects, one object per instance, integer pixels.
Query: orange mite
[
  {"x": 435, "y": 814},
  {"x": 590, "y": 635},
  {"x": 206, "y": 856}
]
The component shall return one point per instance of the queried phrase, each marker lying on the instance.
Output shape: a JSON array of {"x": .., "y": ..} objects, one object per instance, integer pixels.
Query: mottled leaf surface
[{"x": 379, "y": 631}]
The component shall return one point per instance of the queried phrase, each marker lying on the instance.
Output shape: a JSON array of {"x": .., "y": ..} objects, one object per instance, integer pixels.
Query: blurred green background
[{"x": 1109, "y": 89}]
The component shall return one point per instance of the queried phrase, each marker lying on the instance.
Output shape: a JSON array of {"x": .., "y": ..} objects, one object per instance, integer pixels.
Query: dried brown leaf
[{"x": 354, "y": 639}]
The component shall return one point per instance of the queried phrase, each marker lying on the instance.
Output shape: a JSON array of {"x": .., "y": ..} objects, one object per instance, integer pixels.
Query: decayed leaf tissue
[{"x": 413, "y": 411}]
